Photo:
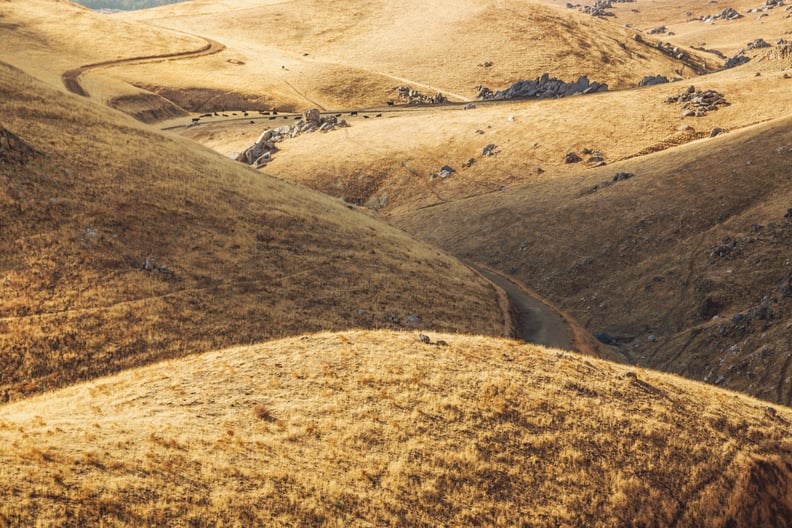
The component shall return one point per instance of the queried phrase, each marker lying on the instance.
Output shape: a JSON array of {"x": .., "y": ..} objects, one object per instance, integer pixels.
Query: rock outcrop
[
  {"x": 544, "y": 87},
  {"x": 652, "y": 80},
  {"x": 696, "y": 103},
  {"x": 260, "y": 153},
  {"x": 413, "y": 97}
]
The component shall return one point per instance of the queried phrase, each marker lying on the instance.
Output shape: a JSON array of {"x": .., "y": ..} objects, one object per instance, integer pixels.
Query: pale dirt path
[{"x": 71, "y": 79}]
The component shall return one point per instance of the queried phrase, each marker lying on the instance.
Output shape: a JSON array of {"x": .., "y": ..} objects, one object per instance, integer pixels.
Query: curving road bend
[{"x": 71, "y": 79}]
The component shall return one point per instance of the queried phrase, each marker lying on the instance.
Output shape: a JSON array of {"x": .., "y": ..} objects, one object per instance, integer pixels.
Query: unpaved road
[
  {"x": 71, "y": 79},
  {"x": 537, "y": 322}
]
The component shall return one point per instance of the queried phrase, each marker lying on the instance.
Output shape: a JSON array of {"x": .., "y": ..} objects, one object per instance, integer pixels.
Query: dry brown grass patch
[{"x": 382, "y": 429}]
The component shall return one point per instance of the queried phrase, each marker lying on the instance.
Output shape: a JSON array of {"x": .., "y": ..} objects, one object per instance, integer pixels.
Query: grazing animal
[
  {"x": 353, "y": 113},
  {"x": 365, "y": 117},
  {"x": 391, "y": 103},
  {"x": 272, "y": 117},
  {"x": 252, "y": 122},
  {"x": 245, "y": 114},
  {"x": 196, "y": 119},
  {"x": 378, "y": 115},
  {"x": 216, "y": 114}
]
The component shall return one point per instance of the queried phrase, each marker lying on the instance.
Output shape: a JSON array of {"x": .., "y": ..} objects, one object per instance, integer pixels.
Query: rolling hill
[
  {"x": 122, "y": 246},
  {"x": 377, "y": 428},
  {"x": 187, "y": 341},
  {"x": 298, "y": 54}
]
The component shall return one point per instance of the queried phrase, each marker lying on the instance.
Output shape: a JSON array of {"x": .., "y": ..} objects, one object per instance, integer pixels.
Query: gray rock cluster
[
  {"x": 767, "y": 6},
  {"x": 411, "y": 96},
  {"x": 697, "y": 103},
  {"x": 652, "y": 80},
  {"x": 756, "y": 44},
  {"x": 444, "y": 172},
  {"x": 657, "y": 30},
  {"x": 737, "y": 60},
  {"x": 618, "y": 177},
  {"x": 664, "y": 47},
  {"x": 596, "y": 157},
  {"x": 260, "y": 153},
  {"x": 727, "y": 14},
  {"x": 544, "y": 87},
  {"x": 599, "y": 8}
]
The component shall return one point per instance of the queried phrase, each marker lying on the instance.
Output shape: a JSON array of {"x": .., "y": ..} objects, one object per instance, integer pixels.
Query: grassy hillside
[
  {"x": 298, "y": 54},
  {"x": 376, "y": 428},
  {"x": 47, "y": 37},
  {"x": 693, "y": 250},
  {"x": 122, "y": 246}
]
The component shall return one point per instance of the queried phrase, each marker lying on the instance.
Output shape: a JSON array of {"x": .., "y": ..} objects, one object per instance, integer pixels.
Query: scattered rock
[
  {"x": 621, "y": 176},
  {"x": 445, "y": 172},
  {"x": 657, "y": 30},
  {"x": 652, "y": 80},
  {"x": 716, "y": 131},
  {"x": 424, "y": 339},
  {"x": 413, "y": 321},
  {"x": 572, "y": 157},
  {"x": 469, "y": 106},
  {"x": 489, "y": 150}
]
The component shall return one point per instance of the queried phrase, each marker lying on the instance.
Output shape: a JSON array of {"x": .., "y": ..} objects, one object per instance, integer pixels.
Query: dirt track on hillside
[{"x": 71, "y": 79}]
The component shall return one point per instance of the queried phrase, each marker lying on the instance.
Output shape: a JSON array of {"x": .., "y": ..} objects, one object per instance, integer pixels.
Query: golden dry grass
[
  {"x": 638, "y": 258},
  {"x": 378, "y": 429},
  {"x": 248, "y": 257},
  {"x": 298, "y": 54}
]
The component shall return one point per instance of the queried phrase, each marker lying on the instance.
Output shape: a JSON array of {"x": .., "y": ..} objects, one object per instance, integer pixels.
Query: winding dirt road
[{"x": 71, "y": 79}]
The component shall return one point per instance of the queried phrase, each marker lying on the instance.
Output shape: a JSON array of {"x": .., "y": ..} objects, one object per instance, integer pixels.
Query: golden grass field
[
  {"x": 185, "y": 341},
  {"x": 377, "y": 429},
  {"x": 248, "y": 257}
]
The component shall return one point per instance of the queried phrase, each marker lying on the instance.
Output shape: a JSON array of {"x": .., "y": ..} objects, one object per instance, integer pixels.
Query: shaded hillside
[
  {"x": 122, "y": 246},
  {"x": 377, "y": 428},
  {"x": 686, "y": 263}
]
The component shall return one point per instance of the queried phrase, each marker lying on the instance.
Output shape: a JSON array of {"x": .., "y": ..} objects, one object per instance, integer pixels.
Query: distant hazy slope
[
  {"x": 121, "y": 246},
  {"x": 650, "y": 255},
  {"x": 359, "y": 51},
  {"x": 378, "y": 429}
]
